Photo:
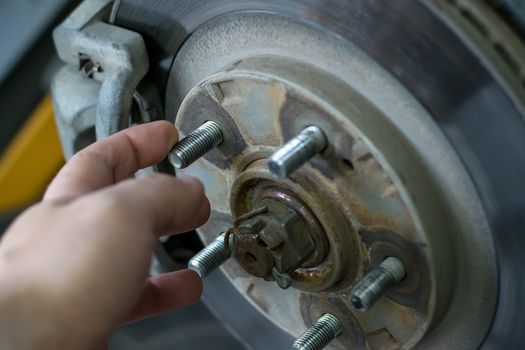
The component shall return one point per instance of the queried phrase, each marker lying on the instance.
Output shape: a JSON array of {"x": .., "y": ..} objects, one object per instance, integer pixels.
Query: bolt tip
[
  {"x": 277, "y": 168},
  {"x": 176, "y": 160},
  {"x": 193, "y": 265},
  {"x": 357, "y": 303}
]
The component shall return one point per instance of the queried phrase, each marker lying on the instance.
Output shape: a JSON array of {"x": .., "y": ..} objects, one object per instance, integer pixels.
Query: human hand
[{"x": 75, "y": 266}]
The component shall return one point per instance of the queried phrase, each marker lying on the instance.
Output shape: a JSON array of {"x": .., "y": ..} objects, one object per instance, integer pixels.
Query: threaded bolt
[
  {"x": 376, "y": 283},
  {"x": 210, "y": 258},
  {"x": 326, "y": 329},
  {"x": 297, "y": 151},
  {"x": 196, "y": 144}
]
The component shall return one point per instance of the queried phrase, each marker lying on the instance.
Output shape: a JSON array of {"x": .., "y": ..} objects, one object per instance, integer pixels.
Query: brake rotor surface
[{"x": 472, "y": 110}]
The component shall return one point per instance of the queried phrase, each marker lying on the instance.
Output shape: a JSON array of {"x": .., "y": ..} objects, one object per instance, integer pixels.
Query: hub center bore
[
  {"x": 273, "y": 240},
  {"x": 285, "y": 234}
]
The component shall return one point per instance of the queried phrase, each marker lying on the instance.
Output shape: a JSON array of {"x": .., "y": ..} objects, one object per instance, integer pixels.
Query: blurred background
[
  {"x": 29, "y": 147},
  {"x": 30, "y": 155}
]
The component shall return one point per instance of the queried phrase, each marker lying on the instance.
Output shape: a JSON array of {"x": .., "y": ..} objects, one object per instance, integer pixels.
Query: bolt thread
[
  {"x": 297, "y": 151},
  {"x": 210, "y": 258},
  {"x": 196, "y": 144},
  {"x": 394, "y": 268},
  {"x": 326, "y": 329},
  {"x": 376, "y": 283}
]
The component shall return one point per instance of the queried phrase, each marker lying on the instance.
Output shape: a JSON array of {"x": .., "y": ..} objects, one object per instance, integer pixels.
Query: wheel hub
[{"x": 320, "y": 230}]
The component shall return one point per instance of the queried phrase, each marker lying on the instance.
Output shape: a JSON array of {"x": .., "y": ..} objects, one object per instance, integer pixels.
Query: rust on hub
[{"x": 273, "y": 240}]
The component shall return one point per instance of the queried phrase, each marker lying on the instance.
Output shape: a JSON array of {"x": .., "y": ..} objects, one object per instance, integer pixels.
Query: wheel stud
[
  {"x": 297, "y": 151},
  {"x": 196, "y": 144},
  {"x": 326, "y": 329},
  {"x": 210, "y": 258},
  {"x": 376, "y": 283}
]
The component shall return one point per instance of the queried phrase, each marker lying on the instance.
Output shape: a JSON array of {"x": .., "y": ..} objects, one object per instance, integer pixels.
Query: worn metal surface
[
  {"x": 273, "y": 239},
  {"x": 345, "y": 201},
  {"x": 407, "y": 117},
  {"x": 338, "y": 199},
  {"x": 326, "y": 266}
]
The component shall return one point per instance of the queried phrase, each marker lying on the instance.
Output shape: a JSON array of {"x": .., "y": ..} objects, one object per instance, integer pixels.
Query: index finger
[{"x": 113, "y": 159}]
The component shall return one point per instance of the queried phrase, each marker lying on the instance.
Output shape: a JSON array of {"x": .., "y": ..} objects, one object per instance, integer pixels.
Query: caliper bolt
[
  {"x": 297, "y": 151},
  {"x": 376, "y": 283},
  {"x": 196, "y": 144},
  {"x": 326, "y": 329},
  {"x": 210, "y": 258}
]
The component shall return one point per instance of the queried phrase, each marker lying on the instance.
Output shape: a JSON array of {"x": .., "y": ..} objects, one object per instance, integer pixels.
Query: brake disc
[
  {"x": 422, "y": 105},
  {"x": 447, "y": 97}
]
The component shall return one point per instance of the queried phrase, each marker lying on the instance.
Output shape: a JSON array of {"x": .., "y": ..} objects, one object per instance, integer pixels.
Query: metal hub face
[
  {"x": 426, "y": 46},
  {"x": 358, "y": 204},
  {"x": 371, "y": 193}
]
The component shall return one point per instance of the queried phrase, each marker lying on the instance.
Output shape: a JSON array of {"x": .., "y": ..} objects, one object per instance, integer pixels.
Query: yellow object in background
[{"x": 31, "y": 160}]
